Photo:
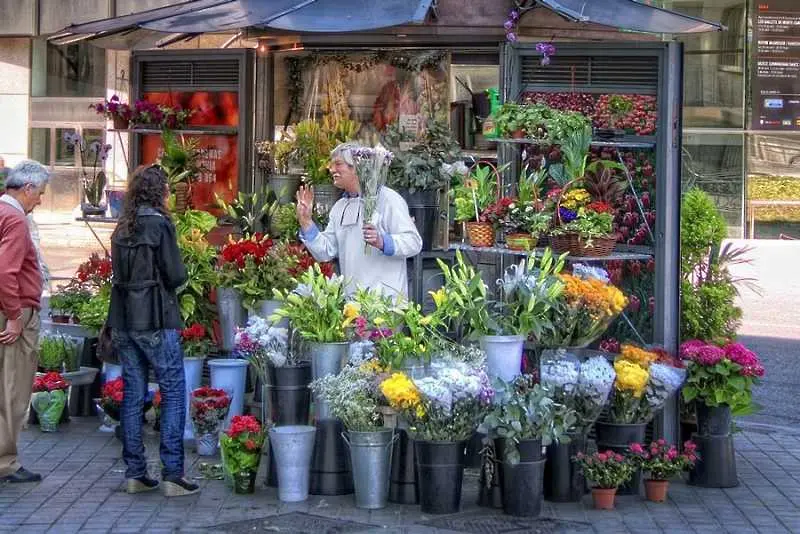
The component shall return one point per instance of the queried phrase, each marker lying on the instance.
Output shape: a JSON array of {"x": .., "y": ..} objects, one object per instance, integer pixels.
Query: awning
[
  {"x": 630, "y": 15},
  {"x": 203, "y": 16}
]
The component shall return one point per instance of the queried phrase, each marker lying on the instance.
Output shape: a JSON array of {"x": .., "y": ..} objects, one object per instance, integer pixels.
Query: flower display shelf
[
  {"x": 179, "y": 131},
  {"x": 629, "y": 141},
  {"x": 617, "y": 255}
]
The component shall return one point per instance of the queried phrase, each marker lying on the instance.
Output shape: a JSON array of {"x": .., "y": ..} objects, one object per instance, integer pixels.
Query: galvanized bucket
[
  {"x": 266, "y": 308},
  {"x": 231, "y": 316},
  {"x": 326, "y": 359},
  {"x": 293, "y": 446},
  {"x": 371, "y": 459}
]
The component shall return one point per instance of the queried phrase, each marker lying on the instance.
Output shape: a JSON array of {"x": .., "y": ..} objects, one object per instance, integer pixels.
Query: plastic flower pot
[
  {"x": 603, "y": 498},
  {"x": 370, "y": 458},
  {"x": 289, "y": 403},
  {"x": 440, "y": 474},
  {"x": 403, "y": 484},
  {"x": 656, "y": 490},
  {"x": 716, "y": 463},
  {"x": 713, "y": 420},
  {"x": 232, "y": 315},
  {"x": 563, "y": 481},
  {"x": 617, "y": 437},
  {"x": 193, "y": 374},
  {"x": 293, "y": 446},
  {"x": 230, "y": 374},
  {"x": 503, "y": 356},
  {"x": 523, "y": 485},
  {"x": 245, "y": 482}
]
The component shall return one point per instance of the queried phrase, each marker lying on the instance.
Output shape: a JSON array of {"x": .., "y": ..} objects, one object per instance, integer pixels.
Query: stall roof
[
  {"x": 158, "y": 27},
  {"x": 630, "y": 15},
  {"x": 204, "y": 16}
]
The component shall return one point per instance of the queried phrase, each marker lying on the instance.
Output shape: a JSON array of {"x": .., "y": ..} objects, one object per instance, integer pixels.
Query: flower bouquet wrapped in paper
[{"x": 208, "y": 408}]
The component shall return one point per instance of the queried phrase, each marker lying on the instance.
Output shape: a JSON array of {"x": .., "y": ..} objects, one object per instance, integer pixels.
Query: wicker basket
[
  {"x": 480, "y": 234},
  {"x": 521, "y": 241},
  {"x": 574, "y": 245}
]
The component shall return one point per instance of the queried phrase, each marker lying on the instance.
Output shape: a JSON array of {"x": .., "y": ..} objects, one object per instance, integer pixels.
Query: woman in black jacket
[{"x": 145, "y": 323}]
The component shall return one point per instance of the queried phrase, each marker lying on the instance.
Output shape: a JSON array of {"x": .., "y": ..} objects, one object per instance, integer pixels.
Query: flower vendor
[{"x": 390, "y": 233}]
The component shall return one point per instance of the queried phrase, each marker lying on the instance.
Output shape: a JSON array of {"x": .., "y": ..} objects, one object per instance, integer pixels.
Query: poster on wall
[
  {"x": 219, "y": 154},
  {"x": 776, "y": 73}
]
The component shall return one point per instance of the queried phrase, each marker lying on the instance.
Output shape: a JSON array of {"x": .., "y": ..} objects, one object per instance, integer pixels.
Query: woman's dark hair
[{"x": 146, "y": 188}]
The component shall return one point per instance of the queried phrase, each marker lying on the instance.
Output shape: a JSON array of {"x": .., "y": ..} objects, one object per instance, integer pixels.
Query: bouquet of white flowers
[{"x": 372, "y": 167}]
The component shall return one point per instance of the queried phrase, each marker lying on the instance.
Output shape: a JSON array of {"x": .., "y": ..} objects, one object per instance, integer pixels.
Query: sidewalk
[{"x": 83, "y": 491}]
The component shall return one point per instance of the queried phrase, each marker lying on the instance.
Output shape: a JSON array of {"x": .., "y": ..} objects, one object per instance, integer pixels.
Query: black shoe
[
  {"x": 141, "y": 484},
  {"x": 178, "y": 487},
  {"x": 22, "y": 475}
]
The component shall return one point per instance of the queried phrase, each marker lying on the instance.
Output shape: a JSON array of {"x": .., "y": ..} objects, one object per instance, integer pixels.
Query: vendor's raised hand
[{"x": 305, "y": 206}]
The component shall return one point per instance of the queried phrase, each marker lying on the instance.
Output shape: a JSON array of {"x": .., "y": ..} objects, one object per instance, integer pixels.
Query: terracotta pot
[
  {"x": 518, "y": 134},
  {"x": 656, "y": 490},
  {"x": 120, "y": 123},
  {"x": 603, "y": 498}
]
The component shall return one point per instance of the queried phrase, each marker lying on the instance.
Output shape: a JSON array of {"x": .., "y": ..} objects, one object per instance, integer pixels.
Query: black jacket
[{"x": 147, "y": 269}]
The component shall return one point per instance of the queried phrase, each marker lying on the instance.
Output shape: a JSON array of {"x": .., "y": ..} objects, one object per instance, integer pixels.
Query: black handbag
[{"x": 105, "y": 346}]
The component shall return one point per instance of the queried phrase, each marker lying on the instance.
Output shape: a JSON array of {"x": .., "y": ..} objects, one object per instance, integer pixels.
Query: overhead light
[
  {"x": 295, "y": 47},
  {"x": 262, "y": 47}
]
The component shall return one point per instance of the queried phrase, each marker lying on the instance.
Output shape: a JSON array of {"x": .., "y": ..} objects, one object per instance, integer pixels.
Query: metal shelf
[
  {"x": 187, "y": 131},
  {"x": 614, "y": 256},
  {"x": 638, "y": 141}
]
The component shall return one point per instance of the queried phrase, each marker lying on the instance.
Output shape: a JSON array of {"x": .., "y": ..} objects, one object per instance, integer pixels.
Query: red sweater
[{"x": 20, "y": 278}]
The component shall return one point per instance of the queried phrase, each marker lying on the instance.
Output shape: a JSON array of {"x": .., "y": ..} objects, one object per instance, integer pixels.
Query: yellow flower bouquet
[
  {"x": 630, "y": 403},
  {"x": 586, "y": 308}
]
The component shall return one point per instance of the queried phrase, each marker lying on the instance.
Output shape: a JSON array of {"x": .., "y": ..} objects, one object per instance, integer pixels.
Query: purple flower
[
  {"x": 513, "y": 15},
  {"x": 511, "y": 36},
  {"x": 509, "y": 25},
  {"x": 567, "y": 215},
  {"x": 546, "y": 49},
  {"x": 709, "y": 355},
  {"x": 545, "y": 60}
]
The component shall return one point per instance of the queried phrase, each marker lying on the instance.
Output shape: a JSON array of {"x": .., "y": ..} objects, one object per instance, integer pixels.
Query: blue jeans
[{"x": 138, "y": 352}]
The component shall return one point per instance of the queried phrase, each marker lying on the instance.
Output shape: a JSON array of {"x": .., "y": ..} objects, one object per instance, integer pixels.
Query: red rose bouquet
[
  {"x": 208, "y": 408},
  {"x": 48, "y": 400},
  {"x": 241, "y": 451},
  {"x": 195, "y": 341}
]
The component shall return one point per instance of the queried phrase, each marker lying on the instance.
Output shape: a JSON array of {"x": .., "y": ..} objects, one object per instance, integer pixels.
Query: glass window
[
  {"x": 40, "y": 145},
  {"x": 773, "y": 185},
  {"x": 75, "y": 70},
  {"x": 714, "y": 65},
  {"x": 65, "y": 153},
  {"x": 715, "y": 164}
]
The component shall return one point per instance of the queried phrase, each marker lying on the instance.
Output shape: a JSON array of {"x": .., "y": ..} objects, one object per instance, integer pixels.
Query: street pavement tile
[
  {"x": 294, "y": 522},
  {"x": 484, "y": 522}
]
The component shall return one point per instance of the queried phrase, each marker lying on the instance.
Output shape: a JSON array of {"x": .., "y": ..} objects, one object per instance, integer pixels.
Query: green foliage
[
  {"x": 69, "y": 300},
  {"x": 420, "y": 167},
  {"x": 249, "y": 211},
  {"x": 589, "y": 224},
  {"x": 477, "y": 192},
  {"x": 93, "y": 313},
  {"x": 720, "y": 384},
  {"x": 574, "y": 157},
  {"x": 180, "y": 158},
  {"x": 708, "y": 290},
  {"x": 199, "y": 258},
  {"x": 283, "y": 224},
  {"x": 315, "y": 308},
  {"x": 238, "y": 458},
  {"x": 524, "y": 410},
  {"x": 539, "y": 121},
  {"x": 52, "y": 353},
  {"x": 194, "y": 219},
  {"x": 509, "y": 119}
]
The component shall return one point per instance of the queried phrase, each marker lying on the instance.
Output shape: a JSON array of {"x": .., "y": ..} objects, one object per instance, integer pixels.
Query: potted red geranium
[
  {"x": 241, "y": 452},
  {"x": 608, "y": 471},
  {"x": 208, "y": 408},
  {"x": 661, "y": 461},
  {"x": 48, "y": 400}
]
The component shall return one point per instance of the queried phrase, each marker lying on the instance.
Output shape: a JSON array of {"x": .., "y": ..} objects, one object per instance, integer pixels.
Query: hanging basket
[{"x": 120, "y": 123}]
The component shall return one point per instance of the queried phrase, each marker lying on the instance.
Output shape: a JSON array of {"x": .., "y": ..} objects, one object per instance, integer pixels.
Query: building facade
[{"x": 46, "y": 90}]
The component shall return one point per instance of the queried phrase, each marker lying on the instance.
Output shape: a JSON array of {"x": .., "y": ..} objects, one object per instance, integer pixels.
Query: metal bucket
[
  {"x": 266, "y": 308},
  {"x": 326, "y": 359},
  {"x": 371, "y": 459},
  {"x": 231, "y": 316},
  {"x": 293, "y": 446}
]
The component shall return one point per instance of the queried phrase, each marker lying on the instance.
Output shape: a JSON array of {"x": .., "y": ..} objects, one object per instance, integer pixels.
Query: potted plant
[
  {"x": 608, "y": 471},
  {"x": 48, "y": 400},
  {"x": 241, "y": 447},
  {"x": 523, "y": 418},
  {"x": 115, "y": 110},
  {"x": 275, "y": 158},
  {"x": 353, "y": 397},
  {"x": 583, "y": 386},
  {"x": 661, "y": 462},
  {"x": 208, "y": 407},
  {"x": 510, "y": 120},
  {"x": 199, "y": 258},
  {"x": 720, "y": 382},
  {"x": 471, "y": 197},
  {"x": 197, "y": 345},
  {"x": 90, "y": 154},
  {"x": 181, "y": 163},
  {"x": 526, "y": 293},
  {"x": 52, "y": 354},
  {"x": 645, "y": 380},
  {"x": 584, "y": 310},
  {"x": 315, "y": 310},
  {"x": 443, "y": 411}
]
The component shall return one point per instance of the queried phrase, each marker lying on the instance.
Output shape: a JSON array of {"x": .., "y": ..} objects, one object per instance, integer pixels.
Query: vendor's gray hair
[
  {"x": 344, "y": 152},
  {"x": 27, "y": 172}
]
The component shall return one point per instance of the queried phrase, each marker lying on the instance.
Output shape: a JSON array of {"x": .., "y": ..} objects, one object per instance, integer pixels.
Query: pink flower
[
  {"x": 636, "y": 448},
  {"x": 602, "y": 457},
  {"x": 618, "y": 457},
  {"x": 672, "y": 453},
  {"x": 689, "y": 349},
  {"x": 689, "y": 446}
]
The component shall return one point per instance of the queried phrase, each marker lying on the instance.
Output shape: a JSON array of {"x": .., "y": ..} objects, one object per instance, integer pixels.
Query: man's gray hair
[
  {"x": 27, "y": 172},
  {"x": 344, "y": 151}
]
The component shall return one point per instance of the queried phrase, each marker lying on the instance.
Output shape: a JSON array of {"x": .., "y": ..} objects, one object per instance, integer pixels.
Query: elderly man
[
  {"x": 20, "y": 295},
  {"x": 383, "y": 267}
]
